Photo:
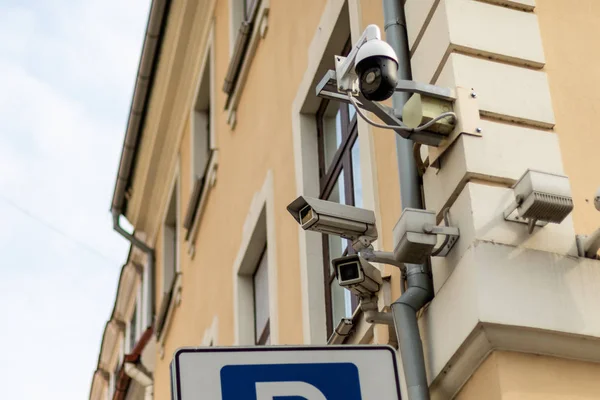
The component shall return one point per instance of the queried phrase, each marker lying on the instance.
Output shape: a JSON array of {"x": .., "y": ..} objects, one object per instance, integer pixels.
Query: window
[
  {"x": 260, "y": 286},
  {"x": 340, "y": 181},
  {"x": 170, "y": 259},
  {"x": 248, "y": 21},
  {"x": 255, "y": 305},
  {"x": 133, "y": 329},
  {"x": 241, "y": 12},
  {"x": 202, "y": 144}
]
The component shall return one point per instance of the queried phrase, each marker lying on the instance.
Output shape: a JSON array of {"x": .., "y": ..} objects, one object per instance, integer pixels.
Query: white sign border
[{"x": 175, "y": 377}]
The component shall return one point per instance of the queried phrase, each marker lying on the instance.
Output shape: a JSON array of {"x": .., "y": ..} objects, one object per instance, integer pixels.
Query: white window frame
[
  {"x": 174, "y": 196},
  {"x": 174, "y": 189},
  {"x": 339, "y": 17},
  {"x": 259, "y": 229},
  {"x": 208, "y": 67},
  {"x": 195, "y": 206},
  {"x": 259, "y": 31}
]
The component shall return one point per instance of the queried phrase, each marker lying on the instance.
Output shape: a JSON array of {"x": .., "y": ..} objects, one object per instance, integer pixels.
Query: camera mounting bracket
[
  {"x": 327, "y": 88},
  {"x": 452, "y": 234},
  {"x": 368, "y": 306}
]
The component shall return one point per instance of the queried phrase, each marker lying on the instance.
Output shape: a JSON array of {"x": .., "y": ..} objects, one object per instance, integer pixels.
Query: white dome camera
[
  {"x": 597, "y": 200},
  {"x": 372, "y": 65},
  {"x": 377, "y": 70}
]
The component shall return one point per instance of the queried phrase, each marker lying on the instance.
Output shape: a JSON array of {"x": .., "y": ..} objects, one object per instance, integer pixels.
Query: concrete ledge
[
  {"x": 479, "y": 29},
  {"x": 524, "y": 5},
  {"x": 504, "y": 91},
  {"x": 502, "y": 154},
  {"x": 510, "y": 298},
  {"x": 478, "y": 213}
]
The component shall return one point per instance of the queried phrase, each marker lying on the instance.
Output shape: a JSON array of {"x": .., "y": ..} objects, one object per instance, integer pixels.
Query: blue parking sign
[
  {"x": 289, "y": 381},
  {"x": 285, "y": 373}
]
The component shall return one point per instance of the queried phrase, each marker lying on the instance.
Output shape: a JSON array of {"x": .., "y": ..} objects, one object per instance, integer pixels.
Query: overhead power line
[{"x": 57, "y": 230}]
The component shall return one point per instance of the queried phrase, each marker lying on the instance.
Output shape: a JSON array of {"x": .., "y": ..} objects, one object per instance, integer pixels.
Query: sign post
[{"x": 285, "y": 372}]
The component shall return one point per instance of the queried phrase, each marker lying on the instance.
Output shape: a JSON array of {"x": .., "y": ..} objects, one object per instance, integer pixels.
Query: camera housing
[
  {"x": 358, "y": 275},
  {"x": 540, "y": 198},
  {"x": 377, "y": 70},
  {"x": 371, "y": 67},
  {"x": 334, "y": 219}
]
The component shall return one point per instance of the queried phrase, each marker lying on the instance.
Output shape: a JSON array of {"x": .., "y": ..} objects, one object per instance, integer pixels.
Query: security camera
[
  {"x": 358, "y": 275},
  {"x": 540, "y": 198},
  {"x": 597, "y": 200},
  {"x": 373, "y": 63},
  {"x": 377, "y": 70},
  {"x": 332, "y": 218}
]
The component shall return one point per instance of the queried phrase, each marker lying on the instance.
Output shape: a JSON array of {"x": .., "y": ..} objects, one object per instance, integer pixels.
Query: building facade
[{"x": 225, "y": 130}]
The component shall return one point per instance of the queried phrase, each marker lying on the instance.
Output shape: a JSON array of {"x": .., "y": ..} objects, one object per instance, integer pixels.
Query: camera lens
[
  {"x": 349, "y": 271},
  {"x": 306, "y": 215},
  {"x": 378, "y": 77}
]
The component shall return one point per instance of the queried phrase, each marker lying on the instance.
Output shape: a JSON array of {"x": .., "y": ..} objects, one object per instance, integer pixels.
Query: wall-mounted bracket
[
  {"x": 327, "y": 89},
  {"x": 511, "y": 214},
  {"x": 382, "y": 257},
  {"x": 372, "y": 314},
  {"x": 588, "y": 246},
  {"x": 466, "y": 108},
  {"x": 415, "y": 235},
  {"x": 452, "y": 234}
]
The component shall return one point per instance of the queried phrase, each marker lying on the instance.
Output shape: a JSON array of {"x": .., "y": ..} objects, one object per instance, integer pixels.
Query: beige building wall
[
  {"x": 517, "y": 376},
  {"x": 569, "y": 31}
]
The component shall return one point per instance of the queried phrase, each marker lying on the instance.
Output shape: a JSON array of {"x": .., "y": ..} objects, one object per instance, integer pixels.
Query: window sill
[
  {"x": 209, "y": 183},
  {"x": 165, "y": 318},
  {"x": 259, "y": 31}
]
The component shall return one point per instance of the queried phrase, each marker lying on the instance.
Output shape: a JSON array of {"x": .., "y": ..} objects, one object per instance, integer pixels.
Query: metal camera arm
[
  {"x": 368, "y": 305},
  {"x": 344, "y": 66},
  {"x": 327, "y": 88}
]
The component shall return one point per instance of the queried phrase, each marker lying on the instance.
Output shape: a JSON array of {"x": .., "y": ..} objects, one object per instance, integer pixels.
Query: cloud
[{"x": 67, "y": 71}]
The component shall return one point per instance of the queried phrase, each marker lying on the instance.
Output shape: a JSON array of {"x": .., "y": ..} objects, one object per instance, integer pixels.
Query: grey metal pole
[
  {"x": 419, "y": 283},
  {"x": 396, "y": 36}
]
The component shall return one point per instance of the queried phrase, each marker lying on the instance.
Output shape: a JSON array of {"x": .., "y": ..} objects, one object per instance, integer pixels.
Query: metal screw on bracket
[
  {"x": 478, "y": 130},
  {"x": 474, "y": 95}
]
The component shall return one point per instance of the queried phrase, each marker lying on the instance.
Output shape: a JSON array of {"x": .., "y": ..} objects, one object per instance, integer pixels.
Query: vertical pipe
[
  {"x": 150, "y": 261},
  {"x": 419, "y": 284},
  {"x": 396, "y": 36}
]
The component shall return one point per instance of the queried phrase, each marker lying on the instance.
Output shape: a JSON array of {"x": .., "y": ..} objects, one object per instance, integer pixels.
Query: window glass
[
  {"x": 132, "y": 329},
  {"x": 356, "y": 178},
  {"x": 351, "y": 112},
  {"x": 338, "y": 303},
  {"x": 332, "y": 131},
  {"x": 339, "y": 152},
  {"x": 337, "y": 244},
  {"x": 248, "y": 5},
  {"x": 170, "y": 240},
  {"x": 261, "y": 296}
]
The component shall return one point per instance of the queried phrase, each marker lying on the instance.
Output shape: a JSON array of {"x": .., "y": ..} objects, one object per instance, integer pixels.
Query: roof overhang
[{"x": 155, "y": 28}]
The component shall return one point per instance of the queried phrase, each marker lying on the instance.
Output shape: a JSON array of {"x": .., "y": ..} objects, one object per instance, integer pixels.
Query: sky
[{"x": 67, "y": 71}]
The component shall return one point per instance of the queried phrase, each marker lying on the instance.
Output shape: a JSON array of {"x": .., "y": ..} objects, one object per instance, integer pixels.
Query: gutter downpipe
[
  {"x": 149, "y": 257},
  {"x": 157, "y": 20},
  {"x": 142, "y": 378},
  {"x": 419, "y": 289}
]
